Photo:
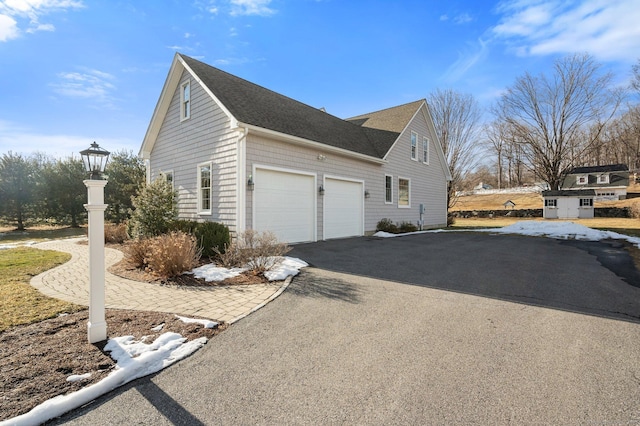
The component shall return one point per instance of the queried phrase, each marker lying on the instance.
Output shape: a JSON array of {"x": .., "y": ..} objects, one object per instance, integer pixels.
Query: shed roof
[
  {"x": 569, "y": 193},
  {"x": 599, "y": 169}
]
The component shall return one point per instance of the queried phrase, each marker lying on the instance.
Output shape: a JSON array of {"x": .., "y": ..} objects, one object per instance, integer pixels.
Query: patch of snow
[
  {"x": 288, "y": 266},
  {"x": 212, "y": 272},
  {"x": 157, "y": 327},
  {"x": 560, "y": 230},
  {"x": 204, "y": 322},
  {"x": 15, "y": 245},
  {"x": 134, "y": 360},
  {"x": 77, "y": 377}
]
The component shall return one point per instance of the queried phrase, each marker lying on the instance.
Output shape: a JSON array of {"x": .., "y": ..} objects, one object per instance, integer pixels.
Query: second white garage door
[
  {"x": 285, "y": 204},
  {"x": 343, "y": 208}
]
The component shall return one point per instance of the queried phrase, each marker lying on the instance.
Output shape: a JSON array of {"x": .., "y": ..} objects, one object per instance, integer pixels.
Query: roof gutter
[{"x": 295, "y": 140}]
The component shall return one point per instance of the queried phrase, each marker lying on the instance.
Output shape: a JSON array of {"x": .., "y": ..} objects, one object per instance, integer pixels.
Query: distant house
[
  {"x": 251, "y": 158},
  {"x": 568, "y": 204},
  {"x": 609, "y": 182}
]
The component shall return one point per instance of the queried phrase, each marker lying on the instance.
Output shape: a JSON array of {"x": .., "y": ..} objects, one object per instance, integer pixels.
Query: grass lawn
[
  {"x": 8, "y": 235},
  {"x": 19, "y": 302}
]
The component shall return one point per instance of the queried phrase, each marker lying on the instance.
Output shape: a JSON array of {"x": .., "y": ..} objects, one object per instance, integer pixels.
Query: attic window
[
  {"x": 582, "y": 179},
  {"x": 414, "y": 146},
  {"x": 604, "y": 178},
  {"x": 185, "y": 100}
]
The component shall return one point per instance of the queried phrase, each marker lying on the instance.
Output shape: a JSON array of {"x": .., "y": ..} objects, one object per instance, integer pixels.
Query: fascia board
[
  {"x": 309, "y": 143},
  {"x": 162, "y": 106}
]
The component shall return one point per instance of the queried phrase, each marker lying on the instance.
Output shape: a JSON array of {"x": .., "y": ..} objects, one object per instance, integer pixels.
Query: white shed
[{"x": 568, "y": 204}]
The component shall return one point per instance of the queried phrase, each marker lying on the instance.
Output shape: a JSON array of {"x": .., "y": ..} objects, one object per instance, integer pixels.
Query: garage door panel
[
  {"x": 285, "y": 205},
  {"x": 343, "y": 208}
]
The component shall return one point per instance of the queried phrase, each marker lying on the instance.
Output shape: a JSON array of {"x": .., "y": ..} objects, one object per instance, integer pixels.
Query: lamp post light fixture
[{"x": 95, "y": 160}]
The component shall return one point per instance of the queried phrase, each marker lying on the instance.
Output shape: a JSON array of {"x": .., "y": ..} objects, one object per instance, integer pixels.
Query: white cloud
[
  {"x": 466, "y": 60},
  {"x": 463, "y": 18},
  {"x": 29, "y": 12},
  {"x": 251, "y": 7},
  {"x": 607, "y": 29},
  {"x": 8, "y": 28},
  {"x": 89, "y": 84}
]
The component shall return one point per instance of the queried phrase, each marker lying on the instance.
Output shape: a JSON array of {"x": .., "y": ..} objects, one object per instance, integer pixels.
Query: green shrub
[
  {"x": 386, "y": 225},
  {"x": 407, "y": 227},
  {"x": 212, "y": 237},
  {"x": 155, "y": 209}
]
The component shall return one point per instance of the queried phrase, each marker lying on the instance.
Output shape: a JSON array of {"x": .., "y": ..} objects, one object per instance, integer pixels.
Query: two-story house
[
  {"x": 609, "y": 182},
  {"x": 251, "y": 158}
]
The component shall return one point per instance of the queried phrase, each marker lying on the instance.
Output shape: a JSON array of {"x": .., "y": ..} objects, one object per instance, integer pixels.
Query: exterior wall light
[
  {"x": 95, "y": 160},
  {"x": 250, "y": 183},
  {"x": 321, "y": 190},
  {"x": 366, "y": 194}
]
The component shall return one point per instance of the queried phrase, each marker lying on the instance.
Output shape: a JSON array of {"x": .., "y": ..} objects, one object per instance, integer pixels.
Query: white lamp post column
[
  {"x": 97, "y": 325},
  {"x": 95, "y": 160}
]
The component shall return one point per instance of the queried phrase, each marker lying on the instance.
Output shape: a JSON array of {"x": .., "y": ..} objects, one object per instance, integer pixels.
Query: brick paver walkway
[{"x": 70, "y": 282}]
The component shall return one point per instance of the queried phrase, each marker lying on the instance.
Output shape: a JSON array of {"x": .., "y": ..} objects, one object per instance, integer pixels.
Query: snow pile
[
  {"x": 15, "y": 245},
  {"x": 283, "y": 268},
  {"x": 205, "y": 323},
  {"x": 134, "y": 359}
]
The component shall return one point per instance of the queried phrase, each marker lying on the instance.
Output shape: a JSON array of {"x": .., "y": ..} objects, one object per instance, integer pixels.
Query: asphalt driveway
[{"x": 448, "y": 328}]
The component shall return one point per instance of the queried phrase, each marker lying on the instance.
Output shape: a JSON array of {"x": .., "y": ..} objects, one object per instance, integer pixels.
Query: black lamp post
[{"x": 95, "y": 160}]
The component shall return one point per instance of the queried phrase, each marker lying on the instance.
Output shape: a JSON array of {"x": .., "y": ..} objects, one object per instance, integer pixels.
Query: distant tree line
[
  {"x": 540, "y": 127},
  {"x": 41, "y": 189}
]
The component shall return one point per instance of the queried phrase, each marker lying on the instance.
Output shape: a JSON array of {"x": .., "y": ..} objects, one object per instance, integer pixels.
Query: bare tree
[
  {"x": 456, "y": 117},
  {"x": 496, "y": 139},
  {"x": 556, "y": 118}
]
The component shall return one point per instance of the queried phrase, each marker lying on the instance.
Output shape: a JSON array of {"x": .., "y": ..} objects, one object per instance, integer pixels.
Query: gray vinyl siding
[
  {"x": 428, "y": 183},
  {"x": 205, "y": 137}
]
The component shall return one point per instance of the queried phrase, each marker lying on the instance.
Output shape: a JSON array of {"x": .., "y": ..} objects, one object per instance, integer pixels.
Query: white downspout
[{"x": 241, "y": 187}]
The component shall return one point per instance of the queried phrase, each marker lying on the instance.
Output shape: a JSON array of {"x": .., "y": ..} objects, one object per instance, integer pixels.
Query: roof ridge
[{"x": 386, "y": 109}]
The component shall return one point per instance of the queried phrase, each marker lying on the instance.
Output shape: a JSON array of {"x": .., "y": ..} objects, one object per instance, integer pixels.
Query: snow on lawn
[
  {"x": 560, "y": 230},
  {"x": 281, "y": 270},
  {"x": 134, "y": 359}
]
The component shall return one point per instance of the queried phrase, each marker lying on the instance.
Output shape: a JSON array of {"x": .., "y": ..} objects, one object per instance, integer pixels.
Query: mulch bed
[{"x": 36, "y": 359}]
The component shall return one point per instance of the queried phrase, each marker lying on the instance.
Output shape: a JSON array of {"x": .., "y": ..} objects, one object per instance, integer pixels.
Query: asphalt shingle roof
[
  {"x": 600, "y": 169},
  {"x": 252, "y": 104}
]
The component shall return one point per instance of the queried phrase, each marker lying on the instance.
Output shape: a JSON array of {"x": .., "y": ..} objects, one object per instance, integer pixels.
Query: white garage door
[
  {"x": 343, "y": 204},
  {"x": 284, "y": 203}
]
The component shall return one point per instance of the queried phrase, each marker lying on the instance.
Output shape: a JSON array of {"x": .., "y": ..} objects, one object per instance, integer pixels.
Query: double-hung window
[
  {"x": 204, "y": 188},
  {"x": 414, "y": 146},
  {"x": 582, "y": 179},
  {"x": 425, "y": 150},
  {"x": 604, "y": 178},
  {"x": 185, "y": 100},
  {"x": 388, "y": 189},
  {"x": 404, "y": 193}
]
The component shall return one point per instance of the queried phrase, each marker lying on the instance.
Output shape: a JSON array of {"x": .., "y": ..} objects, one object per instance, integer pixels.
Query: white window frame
[
  {"x": 185, "y": 102},
  {"x": 390, "y": 189},
  {"x": 414, "y": 146},
  {"x": 425, "y": 150},
  {"x": 582, "y": 177},
  {"x": 551, "y": 203},
  {"x": 603, "y": 178},
  {"x": 165, "y": 175},
  {"x": 201, "y": 210},
  {"x": 408, "y": 205},
  {"x": 586, "y": 202}
]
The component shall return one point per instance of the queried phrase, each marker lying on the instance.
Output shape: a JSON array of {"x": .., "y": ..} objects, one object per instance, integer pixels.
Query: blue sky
[{"x": 75, "y": 71}]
